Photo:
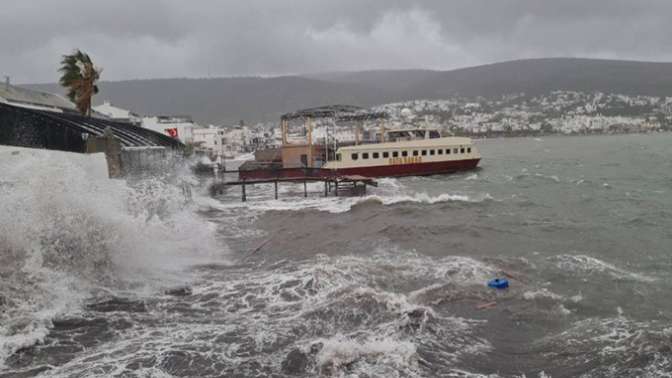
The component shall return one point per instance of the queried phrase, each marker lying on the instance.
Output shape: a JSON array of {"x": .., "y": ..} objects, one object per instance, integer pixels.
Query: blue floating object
[{"x": 498, "y": 283}]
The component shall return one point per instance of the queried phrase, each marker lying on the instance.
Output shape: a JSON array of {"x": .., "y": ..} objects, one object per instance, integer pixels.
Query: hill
[{"x": 227, "y": 100}]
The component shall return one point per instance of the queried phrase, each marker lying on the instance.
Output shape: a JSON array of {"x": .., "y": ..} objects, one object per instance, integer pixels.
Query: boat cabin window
[
  {"x": 404, "y": 153},
  {"x": 386, "y": 154},
  {"x": 376, "y": 155},
  {"x": 395, "y": 153},
  {"x": 439, "y": 151},
  {"x": 338, "y": 157},
  {"x": 415, "y": 152},
  {"x": 447, "y": 151},
  {"x": 365, "y": 155},
  {"x": 462, "y": 150},
  {"x": 468, "y": 150},
  {"x": 424, "y": 152},
  {"x": 354, "y": 156},
  {"x": 431, "y": 152},
  {"x": 433, "y": 134},
  {"x": 454, "y": 150}
]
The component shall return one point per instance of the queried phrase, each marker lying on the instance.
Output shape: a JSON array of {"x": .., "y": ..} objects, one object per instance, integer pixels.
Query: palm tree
[{"x": 79, "y": 76}]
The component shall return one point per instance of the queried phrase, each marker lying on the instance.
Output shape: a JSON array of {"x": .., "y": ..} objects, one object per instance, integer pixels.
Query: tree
[{"x": 79, "y": 76}]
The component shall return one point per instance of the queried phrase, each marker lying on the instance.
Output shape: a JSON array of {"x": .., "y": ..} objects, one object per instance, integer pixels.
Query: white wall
[{"x": 184, "y": 128}]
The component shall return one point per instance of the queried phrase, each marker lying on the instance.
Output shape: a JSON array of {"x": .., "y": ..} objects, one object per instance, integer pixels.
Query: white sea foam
[
  {"x": 587, "y": 264},
  {"x": 338, "y": 205},
  {"x": 542, "y": 293},
  {"x": 380, "y": 354},
  {"x": 66, "y": 229}
]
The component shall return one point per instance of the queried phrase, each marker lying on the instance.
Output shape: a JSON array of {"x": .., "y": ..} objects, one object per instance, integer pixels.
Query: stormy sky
[{"x": 206, "y": 38}]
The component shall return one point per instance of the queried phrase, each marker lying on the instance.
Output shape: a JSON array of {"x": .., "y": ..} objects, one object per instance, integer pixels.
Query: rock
[
  {"x": 295, "y": 362},
  {"x": 316, "y": 348},
  {"x": 180, "y": 291},
  {"x": 118, "y": 304}
]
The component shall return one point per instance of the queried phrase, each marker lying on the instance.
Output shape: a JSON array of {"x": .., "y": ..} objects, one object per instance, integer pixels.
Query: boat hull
[{"x": 396, "y": 170}]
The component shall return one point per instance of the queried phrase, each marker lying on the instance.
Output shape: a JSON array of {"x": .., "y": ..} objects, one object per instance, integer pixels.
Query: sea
[{"x": 158, "y": 276}]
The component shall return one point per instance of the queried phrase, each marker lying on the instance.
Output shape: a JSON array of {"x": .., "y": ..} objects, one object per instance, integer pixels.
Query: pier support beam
[
  {"x": 244, "y": 195},
  {"x": 326, "y": 188},
  {"x": 276, "y": 189},
  {"x": 305, "y": 189}
]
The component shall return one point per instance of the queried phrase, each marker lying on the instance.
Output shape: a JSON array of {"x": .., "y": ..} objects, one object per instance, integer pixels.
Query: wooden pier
[{"x": 350, "y": 183}]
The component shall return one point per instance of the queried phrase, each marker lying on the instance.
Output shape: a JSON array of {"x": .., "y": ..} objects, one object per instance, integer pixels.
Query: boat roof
[{"x": 418, "y": 143}]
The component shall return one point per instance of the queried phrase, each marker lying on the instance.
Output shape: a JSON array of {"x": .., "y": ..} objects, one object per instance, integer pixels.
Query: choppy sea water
[{"x": 155, "y": 278}]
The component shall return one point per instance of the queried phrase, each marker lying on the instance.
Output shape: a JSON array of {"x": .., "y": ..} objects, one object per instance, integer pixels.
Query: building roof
[
  {"x": 27, "y": 97},
  {"x": 114, "y": 112}
]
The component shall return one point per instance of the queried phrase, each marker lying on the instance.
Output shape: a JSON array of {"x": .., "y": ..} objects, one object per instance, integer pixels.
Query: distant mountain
[{"x": 227, "y": 100}]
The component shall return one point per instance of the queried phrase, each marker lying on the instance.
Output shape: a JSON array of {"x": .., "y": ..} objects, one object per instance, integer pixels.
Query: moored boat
[
  {"x": 409, "y": 152},
  {"x": 389, "y": 153}
]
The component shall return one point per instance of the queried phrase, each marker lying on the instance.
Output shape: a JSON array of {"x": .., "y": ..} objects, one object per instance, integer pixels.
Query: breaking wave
[
  {"x": 389, "y": 192},
  {"x": 68, "y": 234}
]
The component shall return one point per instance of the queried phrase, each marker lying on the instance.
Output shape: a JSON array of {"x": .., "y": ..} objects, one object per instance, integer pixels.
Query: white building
[
  {"x": 342, "y": 134},
  {"x": 210, "y": 139},
  {"x": 118, "y": 114},
  {"x": 180, "y": 127}
]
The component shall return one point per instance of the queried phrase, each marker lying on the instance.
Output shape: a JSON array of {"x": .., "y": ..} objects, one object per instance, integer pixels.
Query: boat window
[
  {"x": 365, "y": 155},
  {"x": 469, "y": 150},
  {"x": 354, "y": 156},
  {"x": 439, "y": 151},
  {"x": 431, "y": 152},
  {"x": 395, "y": 153},
  {"x": 462, "y": 150},
  {"x": 424, "y": 152},
  {"x": 415, "y": 152},
  {"x": 454, "y": 150},
  {"x": 433, "y": 134},
  {"x": 338, "y": 157},
  {"x": 386, "y": 154},
  {"x": 376, "y": 155},
  {"x": 404, "y": 153},
  {"x": 447, "y": 151}
]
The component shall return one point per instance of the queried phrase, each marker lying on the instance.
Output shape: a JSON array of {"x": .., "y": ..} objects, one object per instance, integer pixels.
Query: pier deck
[{"x": 353, "y": 183}]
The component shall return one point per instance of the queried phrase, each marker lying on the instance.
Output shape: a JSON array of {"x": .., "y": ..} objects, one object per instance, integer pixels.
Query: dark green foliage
[{"x": 79, "y": 77}]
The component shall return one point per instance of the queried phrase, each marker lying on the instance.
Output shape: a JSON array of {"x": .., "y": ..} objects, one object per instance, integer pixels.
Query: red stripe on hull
[{"x": 420, "y": 169}]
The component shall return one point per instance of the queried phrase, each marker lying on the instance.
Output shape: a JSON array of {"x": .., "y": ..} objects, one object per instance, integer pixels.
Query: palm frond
[{"x": 79, "y": 76}]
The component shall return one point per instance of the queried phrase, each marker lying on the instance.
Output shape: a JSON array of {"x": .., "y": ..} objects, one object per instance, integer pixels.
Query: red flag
[{"x": 172, "y": 132}]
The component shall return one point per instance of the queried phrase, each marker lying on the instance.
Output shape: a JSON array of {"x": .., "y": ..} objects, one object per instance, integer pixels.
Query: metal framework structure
[{"x": 68, "y": 131}]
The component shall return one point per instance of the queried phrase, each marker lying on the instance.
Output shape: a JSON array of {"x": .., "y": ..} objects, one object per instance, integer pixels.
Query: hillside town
[{"x": 559, "y": 112}]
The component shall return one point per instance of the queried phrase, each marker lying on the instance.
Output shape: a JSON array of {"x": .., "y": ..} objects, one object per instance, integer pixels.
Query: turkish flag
[{"x": 172, "y": 132}]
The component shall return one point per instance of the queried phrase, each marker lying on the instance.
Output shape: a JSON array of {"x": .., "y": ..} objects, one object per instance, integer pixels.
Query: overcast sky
[{"x": 201, "y": 38}]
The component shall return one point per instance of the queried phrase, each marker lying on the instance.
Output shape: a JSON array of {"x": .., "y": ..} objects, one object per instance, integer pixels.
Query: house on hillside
[{"x": 210, "y": 139}]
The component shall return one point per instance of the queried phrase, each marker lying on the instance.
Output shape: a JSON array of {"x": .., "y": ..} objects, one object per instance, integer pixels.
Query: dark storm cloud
[{"x": 169, "y": 38}]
